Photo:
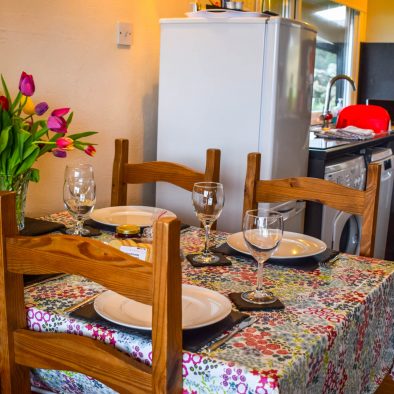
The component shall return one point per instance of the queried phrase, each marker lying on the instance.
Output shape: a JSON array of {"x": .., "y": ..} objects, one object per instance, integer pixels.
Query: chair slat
[
  {"x": 86, "y": 257},
  {"x": 80, "y": 354},
  {"x": 162, "y": 171}
]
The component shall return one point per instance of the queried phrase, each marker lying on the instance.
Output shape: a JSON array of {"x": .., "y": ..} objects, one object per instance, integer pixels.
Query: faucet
[{"x": 326, "y": 115}]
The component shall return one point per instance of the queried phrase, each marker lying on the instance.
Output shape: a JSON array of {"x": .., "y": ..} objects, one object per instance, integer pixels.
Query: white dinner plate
[
  {"x": 293, "y": 245},
  {"x": 138, "y": 215},
  {"x": 200, "y": 307}
]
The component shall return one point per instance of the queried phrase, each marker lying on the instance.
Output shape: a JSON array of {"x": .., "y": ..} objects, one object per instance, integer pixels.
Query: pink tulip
[
  {"x": 4, "y": 104},
  {"x": 65, "y": 143},
  {"x": 90, "y": 150},
  {"x": 26, "y": 84},
  {"x": 57, "y": 124},
  {"x": 59, "y": 153},
  {"x": 60, "y": 111}
]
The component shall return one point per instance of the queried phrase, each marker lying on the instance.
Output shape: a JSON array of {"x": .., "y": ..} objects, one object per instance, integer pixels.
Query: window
[{"x": 334, "y": 49}]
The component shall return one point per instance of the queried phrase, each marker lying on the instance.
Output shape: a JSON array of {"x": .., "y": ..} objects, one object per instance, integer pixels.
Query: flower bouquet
[{"x": 25, "y": 136}]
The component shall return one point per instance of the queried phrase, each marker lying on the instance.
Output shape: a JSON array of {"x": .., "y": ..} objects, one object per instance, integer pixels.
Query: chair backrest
[
  {"x": 157, "y": 283},
  {"x": 356, "y": 202},
  {"x": 157, "y": 171}
]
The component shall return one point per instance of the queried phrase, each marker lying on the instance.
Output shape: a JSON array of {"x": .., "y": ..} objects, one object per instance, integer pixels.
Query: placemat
[
  {"x": 40, "y": 227},
  {"x": 193, "y": 340},
  {"x": 243, "y": 305},
  {"x": 301, "y": 263},
  {"x": 221, "y": 262}
]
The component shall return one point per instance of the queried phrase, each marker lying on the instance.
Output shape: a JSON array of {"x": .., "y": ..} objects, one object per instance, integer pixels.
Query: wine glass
[
  {"x": 208, "y": 201},
  {"x": 263, "y": 231},
  {"x": 79, "y": 196},
  {"x": 78, "y": 171}
]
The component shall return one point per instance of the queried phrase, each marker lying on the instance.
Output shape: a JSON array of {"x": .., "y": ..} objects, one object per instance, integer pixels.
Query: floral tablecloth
[{"x": 335, "y": 335}]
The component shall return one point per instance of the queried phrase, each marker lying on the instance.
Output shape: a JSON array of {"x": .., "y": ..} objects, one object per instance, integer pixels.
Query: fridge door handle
[{"x": 290, "y": 209}]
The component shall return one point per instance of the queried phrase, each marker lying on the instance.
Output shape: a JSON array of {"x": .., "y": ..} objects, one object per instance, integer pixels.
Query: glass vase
[{"x": 17, "y": 184}]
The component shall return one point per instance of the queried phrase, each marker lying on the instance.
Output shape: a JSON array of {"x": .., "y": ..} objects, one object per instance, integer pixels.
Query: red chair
[{"x": 365, "y": 117}]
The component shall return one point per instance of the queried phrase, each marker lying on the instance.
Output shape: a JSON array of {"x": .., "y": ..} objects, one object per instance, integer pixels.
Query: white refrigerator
[{"x": 241, "y": 85}]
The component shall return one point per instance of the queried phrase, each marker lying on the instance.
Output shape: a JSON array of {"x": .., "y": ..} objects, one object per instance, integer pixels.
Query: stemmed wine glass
[
  {"x": 263, "y": 231},
  {"x": 208, "y": 201},
  {"x": 79, "y": 195}
]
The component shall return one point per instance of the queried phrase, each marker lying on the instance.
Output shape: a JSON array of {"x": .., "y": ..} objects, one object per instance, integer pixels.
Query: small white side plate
[
  {"x": 293, "y": 245},
  {"x": 200, "y": 307},
  {"x": 138, "y": 215}
]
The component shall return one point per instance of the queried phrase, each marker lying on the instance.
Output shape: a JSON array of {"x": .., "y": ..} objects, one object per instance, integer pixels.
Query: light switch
[{"x": 123, "y": 33}]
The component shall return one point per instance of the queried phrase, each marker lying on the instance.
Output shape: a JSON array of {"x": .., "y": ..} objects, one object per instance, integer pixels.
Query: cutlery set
[{"x": 245, "y": 323}]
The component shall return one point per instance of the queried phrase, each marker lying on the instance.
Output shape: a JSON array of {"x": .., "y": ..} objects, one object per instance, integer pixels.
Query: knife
[{"x": 244, "y": 323}]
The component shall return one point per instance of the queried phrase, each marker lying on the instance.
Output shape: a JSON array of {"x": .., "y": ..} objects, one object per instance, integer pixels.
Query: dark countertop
[
  {"x": 323, "y": 150},
  {"x": 327, "y": 149}
]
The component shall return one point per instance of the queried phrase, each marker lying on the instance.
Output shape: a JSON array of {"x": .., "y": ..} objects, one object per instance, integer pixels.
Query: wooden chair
[
  {"x": 158, "y": 284},
  {"x": 157, "y": 171},
  {"x": 356, "y": 202}
]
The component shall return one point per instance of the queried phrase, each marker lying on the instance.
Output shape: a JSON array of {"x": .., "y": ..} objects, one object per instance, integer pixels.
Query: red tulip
[
  {"x": 26, "y": 84},
  {"x": 65, "y": 143},
  {"x": 60, "y": 111},
  {"x": 57, "y": 124},
  {"x": 90, "y": 150},
  {"x": 4, "y": 104}
]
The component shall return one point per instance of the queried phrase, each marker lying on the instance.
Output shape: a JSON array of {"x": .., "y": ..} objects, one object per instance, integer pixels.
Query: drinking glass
[
  {"x": 73, "y": 172},
  {"x": 79, "y": 196},
  {"x": 263, "y": 231},
  {"x": 208, "y": 201}
]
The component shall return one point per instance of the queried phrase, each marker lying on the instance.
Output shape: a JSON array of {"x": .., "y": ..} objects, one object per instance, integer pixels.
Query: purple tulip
[
  {"x": 57, "y": 124},
  {"x": 41, "y": 108},
  {"x": 26, "y": 84},
  {"x": 60, "y": 111},
  {"x": 59, "y": 153}
]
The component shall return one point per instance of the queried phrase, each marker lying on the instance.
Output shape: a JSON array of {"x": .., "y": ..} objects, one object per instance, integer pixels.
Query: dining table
[{"x": 335, "y": 333}]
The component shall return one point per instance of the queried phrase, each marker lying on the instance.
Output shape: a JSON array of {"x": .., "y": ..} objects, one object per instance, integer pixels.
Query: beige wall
[
  {"x": 380, "y": 21},
  {"x": 69, "y": 47}
]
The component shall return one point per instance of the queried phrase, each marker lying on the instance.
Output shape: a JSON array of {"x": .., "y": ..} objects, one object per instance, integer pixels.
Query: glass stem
[
  {"x": 78, "y": 227},
  {"x": 260, "y": 286},
  {"x": 207, "y": 228}
]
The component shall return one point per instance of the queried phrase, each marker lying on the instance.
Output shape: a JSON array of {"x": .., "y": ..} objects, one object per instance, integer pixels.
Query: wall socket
[{"x": 123, "y": 34}]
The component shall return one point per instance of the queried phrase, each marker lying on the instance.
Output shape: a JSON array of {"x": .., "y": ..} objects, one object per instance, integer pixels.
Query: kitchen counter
[{"x": 323, "y": 150}]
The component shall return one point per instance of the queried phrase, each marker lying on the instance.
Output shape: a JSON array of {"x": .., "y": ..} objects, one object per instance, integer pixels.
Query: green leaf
[
  {"x": 16, "y": 102},
  {"x": 40, "y": 133},
  {"x": 4, "y": 159},
  {"x": 28, "y": 151},
  {"x": 70, "y": 118},
  {"x": 4, "y": 138},
  {"x": 22, "y": 136},
  {"x": 81, "y": 135},
  {"x": 28, "y": 162},
  {"x": 35, "y": 175},
  {"x": 6, "y": 119},
  {"x": 6, "y": 92}
]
